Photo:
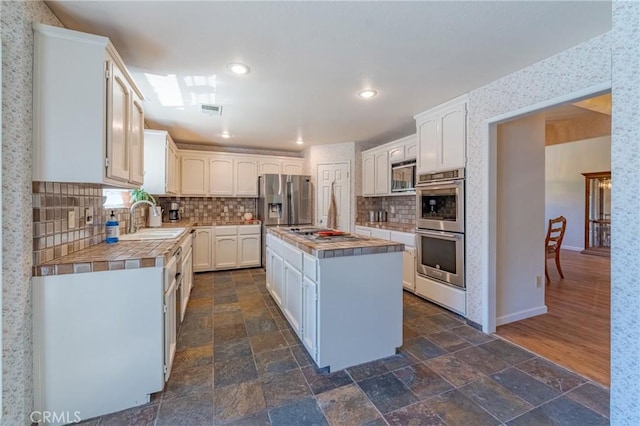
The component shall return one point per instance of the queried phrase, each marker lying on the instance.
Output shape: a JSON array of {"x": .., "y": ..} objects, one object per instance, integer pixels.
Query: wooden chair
[{"x": 553, "y": 242}]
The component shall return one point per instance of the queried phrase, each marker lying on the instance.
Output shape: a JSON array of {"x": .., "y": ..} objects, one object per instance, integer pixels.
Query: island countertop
[{"x": 326, "y": 249}]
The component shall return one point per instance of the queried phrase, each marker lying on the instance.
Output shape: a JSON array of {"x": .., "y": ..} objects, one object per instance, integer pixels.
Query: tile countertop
[
  {"x": 130, "y": 254},
  {"x": 392, "y": 226},
  {"x": 321, "y": 250}
]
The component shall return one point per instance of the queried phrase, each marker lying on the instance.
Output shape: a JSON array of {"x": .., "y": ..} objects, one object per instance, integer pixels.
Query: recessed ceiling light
[
  {"x": 299, "y": 141},
  {"x": 225, "y": 135},
  {"x": 367, "y": 93},
  {"x": 238, "y": 68}
]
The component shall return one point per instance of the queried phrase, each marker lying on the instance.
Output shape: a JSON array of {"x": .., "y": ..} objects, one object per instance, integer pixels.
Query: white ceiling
[{"x": 308, "y": 60}]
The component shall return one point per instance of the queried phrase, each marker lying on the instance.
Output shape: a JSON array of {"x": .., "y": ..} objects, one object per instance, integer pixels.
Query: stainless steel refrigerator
[{"x": 283, "y": 200}]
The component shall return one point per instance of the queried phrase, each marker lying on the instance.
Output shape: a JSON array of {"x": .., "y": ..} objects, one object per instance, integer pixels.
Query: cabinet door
[
  {"x": 453, "y": 128},
  {"x": 364, "y": 231},
  {"x": 382, "y": 173},
  {"x": 292, "y": 302},
  {"x": 277, "y": 278},
  {"x": 226, "y": 252},
  {"x": 171, "y": 184},
  {"x": 170, "y": 329},
  {"x": 268, "y": 268},
  {"x": 187, "y": 272},
  {"x": 428, "y": 145},
  {"x": 202, "y": 245},
  {"x": 248, "y": 250},
  {"x": 194, "y": 175},
  {"x": 246, "y": 178},
  {"x": 409, "y": 269},
  {"x": 396, "y": 154},
  {"x": 137, "y": 140},
  {"x": 411, "y": 151},
  {"x": 119, "y": 101},
  {"x": 368, "y": 175},
  {"x": 269, "y": 167},
  {"x": 291, "y": 168},
  {"x": 309, "y": 317},
  {"x": 221, "y": 176}
]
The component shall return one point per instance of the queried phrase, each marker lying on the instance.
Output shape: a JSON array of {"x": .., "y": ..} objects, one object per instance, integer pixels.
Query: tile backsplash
[
  {"x": 52, "y": 202},
  {"x": 404, "y": 208},
  {"x": 211, "y": 209}
]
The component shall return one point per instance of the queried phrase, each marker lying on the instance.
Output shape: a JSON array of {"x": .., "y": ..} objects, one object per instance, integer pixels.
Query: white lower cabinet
[
  {"x": 202, "y": 249},
  {"x": 409, "y": 269},
  {"x": 345, "y": 310},
  {"x": 292, "y": 300},
  {"x": 225, "y": 252},
  {"x": 310, "y": 316},
  {"x": 408, "y": 256},
  {"x": 226, "y": 247},
  {"x": 248, "y": 249}
]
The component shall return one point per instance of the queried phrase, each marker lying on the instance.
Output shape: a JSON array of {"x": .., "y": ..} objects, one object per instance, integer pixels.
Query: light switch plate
[
  {"x": 71, "y": 219},
  {"x": 88, "y": 215}
]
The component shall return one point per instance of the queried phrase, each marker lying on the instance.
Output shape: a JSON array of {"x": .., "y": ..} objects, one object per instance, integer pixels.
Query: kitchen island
[{"x": 342, "y": 294}]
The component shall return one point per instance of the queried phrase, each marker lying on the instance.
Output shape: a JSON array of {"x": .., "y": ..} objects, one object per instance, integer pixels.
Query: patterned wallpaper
[
  {"x": 625, "y": 255},
  {"x": 17, "y": 245},
  {"x": 580, "y": 67}
]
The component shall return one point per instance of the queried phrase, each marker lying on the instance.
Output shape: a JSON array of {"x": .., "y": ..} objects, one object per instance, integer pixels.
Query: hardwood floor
[{"x": 575, "y": 332}]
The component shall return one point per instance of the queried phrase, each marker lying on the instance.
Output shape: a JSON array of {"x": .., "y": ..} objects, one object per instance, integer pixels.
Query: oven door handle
[
  {"x": 437, "y": 185},
  {"x": 440, "y": 234}
]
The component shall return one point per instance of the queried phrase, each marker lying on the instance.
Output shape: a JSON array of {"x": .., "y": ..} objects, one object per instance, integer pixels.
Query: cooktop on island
[{"x": 324, "y": 235}]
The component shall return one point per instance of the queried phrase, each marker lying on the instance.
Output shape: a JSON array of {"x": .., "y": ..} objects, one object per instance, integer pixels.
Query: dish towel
[{"x": 333, "y": 213}]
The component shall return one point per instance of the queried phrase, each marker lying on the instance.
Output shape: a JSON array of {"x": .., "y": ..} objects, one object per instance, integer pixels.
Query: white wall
[
  {"x": 520, "y": 219},
  {"x": 564, "y": 183}
]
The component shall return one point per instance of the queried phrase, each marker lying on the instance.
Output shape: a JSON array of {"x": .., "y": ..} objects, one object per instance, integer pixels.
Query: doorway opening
[{"x": 541, "y": 162}]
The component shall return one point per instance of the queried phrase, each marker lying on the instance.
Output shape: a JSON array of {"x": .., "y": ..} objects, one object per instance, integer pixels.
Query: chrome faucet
[{"x": 132, "y": 226}]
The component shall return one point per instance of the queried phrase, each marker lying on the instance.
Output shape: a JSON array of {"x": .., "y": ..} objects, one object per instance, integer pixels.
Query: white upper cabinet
[
  {"x": 136, "y": 174},
  {"x": 85, "y": 106},
  {"x": 160, "y": 161},
  {"x": 396, "y": 154},
  {"x": 270, "y": 166},
  {"x": 221, "y": 176},
  {"x": 280, "y": 165},
  {"x": 229, "y": 175},
  {"x": 246, "y": 177},
  {"x": 368, "y": 174},
  {"x": 292, "y": 167},
  {"x": 194, "y": 174},
  {"x": 382, "y": 173},
  {"x": 377, "y": 162},
  {"x": 442, "y": 136}
]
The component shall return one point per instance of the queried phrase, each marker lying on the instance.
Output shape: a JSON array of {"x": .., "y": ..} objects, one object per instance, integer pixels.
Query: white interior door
[{"x": 327, "y": 174}]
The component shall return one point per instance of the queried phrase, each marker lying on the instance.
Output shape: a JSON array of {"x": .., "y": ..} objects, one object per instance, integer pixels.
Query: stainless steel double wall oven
[{"x": 440, "y": 226}]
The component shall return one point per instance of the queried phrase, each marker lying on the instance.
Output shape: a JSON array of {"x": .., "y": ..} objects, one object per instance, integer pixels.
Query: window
[{"x": 114, "y": 198}]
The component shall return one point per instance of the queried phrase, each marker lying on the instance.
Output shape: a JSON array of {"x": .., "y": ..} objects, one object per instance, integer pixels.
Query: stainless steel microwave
[{"x": 403, "y": 176}]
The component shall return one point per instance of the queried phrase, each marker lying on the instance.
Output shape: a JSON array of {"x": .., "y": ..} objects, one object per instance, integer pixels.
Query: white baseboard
[
  {"x": 572, "y": 248},
  {"x": 517, "y": 316}
]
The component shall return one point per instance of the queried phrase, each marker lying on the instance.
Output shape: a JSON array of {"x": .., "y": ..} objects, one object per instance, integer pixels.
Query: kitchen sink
[{"x": 153, "y": 234}]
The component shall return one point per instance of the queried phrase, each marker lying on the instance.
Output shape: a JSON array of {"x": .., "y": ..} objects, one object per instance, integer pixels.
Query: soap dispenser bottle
[{"x": 113, "y": 229}]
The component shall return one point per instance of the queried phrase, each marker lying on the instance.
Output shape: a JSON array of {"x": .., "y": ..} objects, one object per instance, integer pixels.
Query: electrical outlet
[
  {"x": 538, "y": 281},
  {"x": 71, "y": 219},
  {"x": 88, "y": 216},
  {"x": 393, "y": 209}
]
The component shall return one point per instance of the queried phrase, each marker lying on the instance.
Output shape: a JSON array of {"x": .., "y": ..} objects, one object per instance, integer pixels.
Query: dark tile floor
[{"x": 239, "y": 363}]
